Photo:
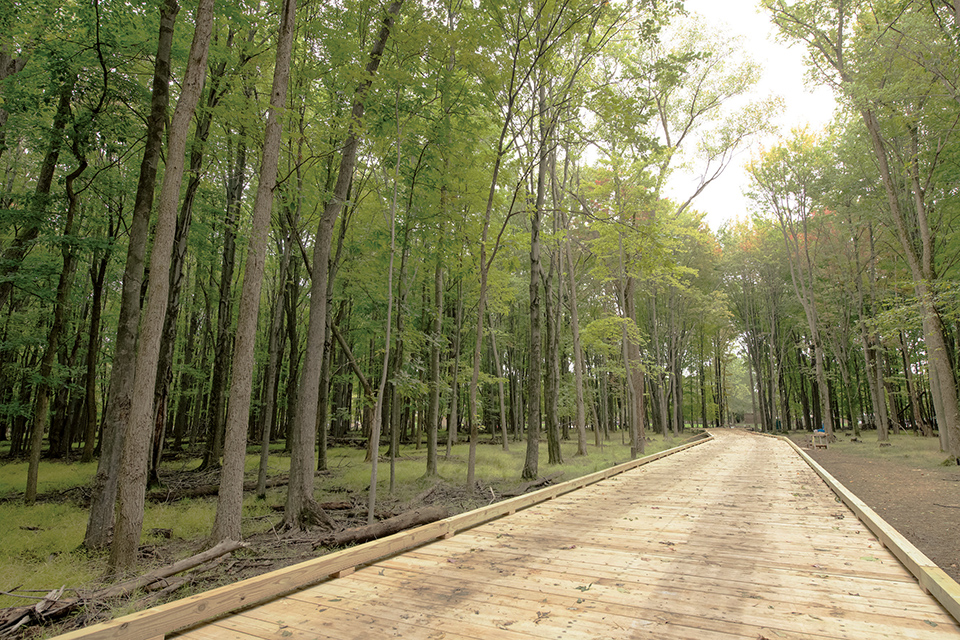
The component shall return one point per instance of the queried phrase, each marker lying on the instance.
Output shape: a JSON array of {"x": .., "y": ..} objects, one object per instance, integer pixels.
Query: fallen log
[
  {"x": 172, "y": 495},
  {"x": 52, "y": 607},
  {"x": 338, "y": 505},
  {"x": 533, "y": 484},
  {"x": 383, "y": 528},
  {"x": 125, "y": 588},
  {"x": 21, "y": 616}
]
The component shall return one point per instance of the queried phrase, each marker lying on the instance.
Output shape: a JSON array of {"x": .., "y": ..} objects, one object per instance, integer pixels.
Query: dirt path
[{"x": 922, "y": 504}]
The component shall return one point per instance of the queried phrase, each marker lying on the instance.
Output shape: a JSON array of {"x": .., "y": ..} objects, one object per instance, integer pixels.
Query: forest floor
[{"x": 905, "y": 483}]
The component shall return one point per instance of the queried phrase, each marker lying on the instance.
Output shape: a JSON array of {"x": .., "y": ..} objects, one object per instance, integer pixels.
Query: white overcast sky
[{"x": 783, "y": 75}]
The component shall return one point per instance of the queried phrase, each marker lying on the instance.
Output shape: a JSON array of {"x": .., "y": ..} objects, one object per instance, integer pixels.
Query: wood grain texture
[
  {"x": 194, "y": 610},
  {"x": 736, "y": 538}
]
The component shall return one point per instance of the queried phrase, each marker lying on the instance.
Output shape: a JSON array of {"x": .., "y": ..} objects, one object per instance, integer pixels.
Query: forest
[{"x": 225, "y": 227}]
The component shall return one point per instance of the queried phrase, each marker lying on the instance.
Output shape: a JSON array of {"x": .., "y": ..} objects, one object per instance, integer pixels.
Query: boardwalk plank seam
[
  {"x": 932, "y": 579},
  {"x": 160, "y": 621}
]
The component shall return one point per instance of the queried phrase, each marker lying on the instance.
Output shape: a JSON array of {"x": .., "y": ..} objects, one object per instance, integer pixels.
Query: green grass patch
[
  {"x": 907, "y": 448},
  {"x": 52, "y": 476},
  {"x": 39, "y": 549}
]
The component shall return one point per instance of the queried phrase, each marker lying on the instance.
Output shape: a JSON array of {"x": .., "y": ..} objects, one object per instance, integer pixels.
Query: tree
[
  {"x": 226, "y": 526},
  {"x": 300, "y": 506},
  {"x": 116, "y": 416},
  {"x": 136, "y": 440},
  {"x": 897, "y": 107},
  {"x": 788, "y": 181}
]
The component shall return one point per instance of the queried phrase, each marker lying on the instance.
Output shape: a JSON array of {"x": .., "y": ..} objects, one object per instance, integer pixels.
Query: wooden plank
[
  {"x": 193, "y": 610},
  {"x": 627, "y": 599},
  {"x": 640, "y": 587},
  {"x": 337, "y": 613},
  {"x": 668, "y": 589},
  {"x": 928, "y": 574},
  {"x": 698, "y": 574}
]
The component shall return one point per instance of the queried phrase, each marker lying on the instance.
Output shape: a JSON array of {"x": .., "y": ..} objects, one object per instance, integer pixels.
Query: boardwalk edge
[
  {"x": 157, "y": 622},
  {"x": 932, "y": 578}
]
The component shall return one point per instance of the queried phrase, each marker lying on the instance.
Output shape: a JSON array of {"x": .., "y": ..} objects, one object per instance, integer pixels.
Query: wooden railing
[{"x": 932, "y": 579}]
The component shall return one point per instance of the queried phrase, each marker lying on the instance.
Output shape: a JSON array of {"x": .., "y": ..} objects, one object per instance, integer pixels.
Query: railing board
[{"x": 931, "y": 577}]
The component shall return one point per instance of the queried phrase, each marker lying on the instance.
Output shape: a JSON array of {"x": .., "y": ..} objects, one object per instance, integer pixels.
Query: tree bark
[
  {"x": 178, "y": 257},
  {"x": 136, "y": 443},
  {"x": 374, "y": 531},
  {"x": 98, "y": 272},
  {"x": 500, "y": 391},
  {"x": 578, "y": 367},
  {"x": 226, "y": 525},
  {"x": 273, "y": 366},
  {"x": 433, "y": 413},
  {"x": 303, "y": 431},
  {"x": 551, "y": 383},
  {"x": 117, "y": 411}
]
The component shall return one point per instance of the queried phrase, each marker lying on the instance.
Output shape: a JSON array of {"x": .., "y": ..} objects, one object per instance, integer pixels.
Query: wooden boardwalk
[{"x": 734, "y": 538}]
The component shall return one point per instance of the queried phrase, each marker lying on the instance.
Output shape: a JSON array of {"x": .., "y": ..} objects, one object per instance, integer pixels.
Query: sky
[{"x": 783, "y": 75}]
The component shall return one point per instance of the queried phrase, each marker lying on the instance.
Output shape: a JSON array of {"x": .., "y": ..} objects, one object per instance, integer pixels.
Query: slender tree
[{"x": 136, "y": 441}]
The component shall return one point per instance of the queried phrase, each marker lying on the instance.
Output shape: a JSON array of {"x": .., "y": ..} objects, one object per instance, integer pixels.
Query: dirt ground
[{"x": 922, "y": 504}]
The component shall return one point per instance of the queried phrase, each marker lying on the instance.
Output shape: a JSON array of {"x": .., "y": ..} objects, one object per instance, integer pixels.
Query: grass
[
  {"x": 40, "y": 545},
  {"x": 54, "y": 476},
  {"x": 906, "y": 448},
  {"x": 39, "y": 549}
]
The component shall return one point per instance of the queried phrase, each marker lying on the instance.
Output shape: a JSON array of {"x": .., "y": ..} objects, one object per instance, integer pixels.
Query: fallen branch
[
  {"x": 533, "y": 484},
  {"x": 172, "y": 495},
  {"x": 35, "y": 612},
  {"x": 128, "y": 587},
  {"x": 383, "y": 528},
  {"x": 52, "y": 607}
]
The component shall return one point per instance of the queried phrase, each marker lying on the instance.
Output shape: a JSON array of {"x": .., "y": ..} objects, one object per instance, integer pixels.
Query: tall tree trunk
[
  {"x": 921, "y": 262},
  {"x": 501, "y": 396},
  {"x": 578, "y": 368},
  {"x": 634, "y": 376},
  {"x": 291, "y": 295},
  {"x": 433, "y": 412},
  {"x": 453, "y": 420},
  {"x": 98, "y": 274},
  {"x": 396, "y": 405},
  {"x": 535, "y": 371},
  {"x": 378, "y": 406},
  {"x": 136, "y": 442},
  {"x": 300, "y": 506},
  {"x": 226, "y": 525},
  {"x": 178, "y": 259},
  {"x": 236, "y": 182},
  {"x": 552, "y": 377},
  {"x": 274, "y": 346},
  {"x": 117, "y": 413},
  {"x": 41, "y": 411}
]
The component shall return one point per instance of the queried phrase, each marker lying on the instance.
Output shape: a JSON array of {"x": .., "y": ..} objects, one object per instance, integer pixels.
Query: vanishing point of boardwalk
[{"x": 734, "y": 538}]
